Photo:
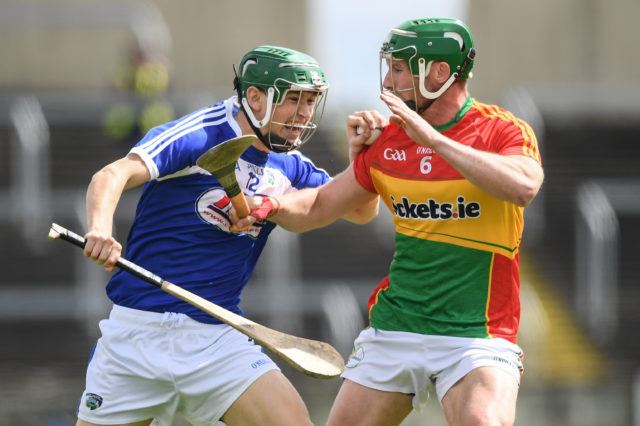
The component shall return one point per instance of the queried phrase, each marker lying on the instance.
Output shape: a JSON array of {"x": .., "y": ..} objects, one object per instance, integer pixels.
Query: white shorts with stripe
[
  {"x": 149, "y": 365},
  {"x": 416, "y": 364}
]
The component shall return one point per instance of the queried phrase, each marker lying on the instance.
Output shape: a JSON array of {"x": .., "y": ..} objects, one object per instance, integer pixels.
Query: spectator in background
[{"x": 146, "y": 76}]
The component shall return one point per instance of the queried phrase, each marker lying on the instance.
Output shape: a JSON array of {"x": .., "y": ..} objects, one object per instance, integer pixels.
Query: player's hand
[
  {"x": 416, "y": 127},
  {"x": 261, "y": 208},
  {"x": 363, "y": 127},
  {"x": 102, "y": 248}
]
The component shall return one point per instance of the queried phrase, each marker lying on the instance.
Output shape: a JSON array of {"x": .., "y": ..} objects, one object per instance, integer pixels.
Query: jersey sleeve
[
  {"x": 362, "y": 170},
  {"x": 371, "y": 154},
  {"x": 172, "y": 154},
  {"x": 172, "y": 147},
  {"x": 307, "y": 174},
  {"x": 518, "y": 138}
]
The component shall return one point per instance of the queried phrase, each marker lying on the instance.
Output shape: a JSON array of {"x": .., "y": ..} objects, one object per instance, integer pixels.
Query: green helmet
[
  {"x": 419, "y": 42},
  {"x": 280, "y": 68},
  {"x": 277, "y": 70}
]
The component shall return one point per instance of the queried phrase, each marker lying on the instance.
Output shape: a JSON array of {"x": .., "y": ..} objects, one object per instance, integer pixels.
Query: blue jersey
[{"x": 181, "y": 228}]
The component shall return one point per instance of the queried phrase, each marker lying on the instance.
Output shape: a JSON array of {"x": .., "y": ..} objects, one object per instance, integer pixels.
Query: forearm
[
  {"x": 317, "y": 207},
  {"x": 303, "y": 210},
  {"x": 106, "y": 188},
  {"x": 516, "y": 178},
  {"x": 103, "y": 195},
  {"x": 366, "y": 213},
  {"x": 513, "y": 178}
]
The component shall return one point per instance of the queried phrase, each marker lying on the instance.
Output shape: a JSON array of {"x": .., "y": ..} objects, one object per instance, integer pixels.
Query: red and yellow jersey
[{"x": 455, "y": 270}]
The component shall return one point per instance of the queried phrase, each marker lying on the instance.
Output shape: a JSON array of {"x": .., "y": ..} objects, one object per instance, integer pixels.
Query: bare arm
[
  {"x": 513, "y": 178},
  {"x": 361, "y": 126},
  {"x": 316, "y": 207},
  {"x": 364, "y": 214},
  {"x": 103, "y": 194}
]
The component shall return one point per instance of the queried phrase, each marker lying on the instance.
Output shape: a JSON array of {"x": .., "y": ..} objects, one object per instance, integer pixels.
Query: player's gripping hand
[
  {"x": 102, "y": 248},
  {"x": 363, "y": 128},
  {"x": 261, "y": 208}
]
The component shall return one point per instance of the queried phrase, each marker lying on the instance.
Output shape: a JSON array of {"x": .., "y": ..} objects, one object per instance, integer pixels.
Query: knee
[{"x": 488, "y": 417}]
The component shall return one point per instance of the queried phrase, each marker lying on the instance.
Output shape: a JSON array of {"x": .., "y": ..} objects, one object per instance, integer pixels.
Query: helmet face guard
[
  {"x": 420, "y": 42},
  {"x": 279, "y": 71}
]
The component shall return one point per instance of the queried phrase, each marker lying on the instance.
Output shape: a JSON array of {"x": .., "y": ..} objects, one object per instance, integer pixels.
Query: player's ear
[
  {"x": 442, "y": 71},
  {"x": 256, "y": 99}
]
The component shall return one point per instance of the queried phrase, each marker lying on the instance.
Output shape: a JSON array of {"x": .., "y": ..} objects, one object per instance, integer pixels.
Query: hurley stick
[
  {"x": 311, "y": 357},
  {"x": 221, "y": 161}
]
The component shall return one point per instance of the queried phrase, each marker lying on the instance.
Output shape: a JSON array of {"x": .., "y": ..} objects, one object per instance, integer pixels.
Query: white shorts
[
  {"x": 415, "y": 364},
  {"x": 149, "y": 365}
]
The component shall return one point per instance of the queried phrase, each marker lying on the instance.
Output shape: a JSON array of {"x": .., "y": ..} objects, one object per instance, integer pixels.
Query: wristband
[{"x": 268, "y": 207}]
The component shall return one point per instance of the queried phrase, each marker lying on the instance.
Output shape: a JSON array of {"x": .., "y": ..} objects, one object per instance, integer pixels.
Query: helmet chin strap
[
  {"x": 271, "y": 141},
  {"x": 256, "y": 124},
  {"x": 259, "y": 123},
  {"x": 423, "y": 72}
]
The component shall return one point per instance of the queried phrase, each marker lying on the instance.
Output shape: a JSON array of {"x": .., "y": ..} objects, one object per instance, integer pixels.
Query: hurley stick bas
[{"x": 311, "y": 357}]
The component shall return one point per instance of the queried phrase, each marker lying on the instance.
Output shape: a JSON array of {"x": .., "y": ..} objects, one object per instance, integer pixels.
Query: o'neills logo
[{"x": 431, "y": 209}]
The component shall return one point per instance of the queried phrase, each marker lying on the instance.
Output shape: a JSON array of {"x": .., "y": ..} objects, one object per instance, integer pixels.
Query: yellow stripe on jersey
[
  {"x": 451, "y": 211},
  {"x": 530, "y": 147}
]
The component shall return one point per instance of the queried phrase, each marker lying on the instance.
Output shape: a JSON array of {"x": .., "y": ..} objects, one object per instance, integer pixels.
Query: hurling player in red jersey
[{"x": 456, "y": 174}]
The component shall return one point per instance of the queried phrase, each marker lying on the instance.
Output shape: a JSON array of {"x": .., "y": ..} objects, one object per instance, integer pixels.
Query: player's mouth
[{"x": 293, "y": 131}]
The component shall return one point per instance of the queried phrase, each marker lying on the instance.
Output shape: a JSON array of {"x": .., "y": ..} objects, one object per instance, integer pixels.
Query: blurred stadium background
[{"x": 80, "y": 81}]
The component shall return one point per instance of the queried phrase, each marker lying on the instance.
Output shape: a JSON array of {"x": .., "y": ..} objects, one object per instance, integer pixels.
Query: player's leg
[
  {"x": 221, "y": 374},
  {"x": 486, "y": 395},
  {"x": 270, "y": 400},
  {"x": 126, "y": 380},
  {"x": 142, "y": 423},
  {"x": 384, "y": 379},
  {"x": 363, "y": 406}
]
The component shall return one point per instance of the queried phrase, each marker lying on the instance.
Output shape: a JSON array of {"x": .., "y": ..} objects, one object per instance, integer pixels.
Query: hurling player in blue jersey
[{"x": 159, "y": 355}]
